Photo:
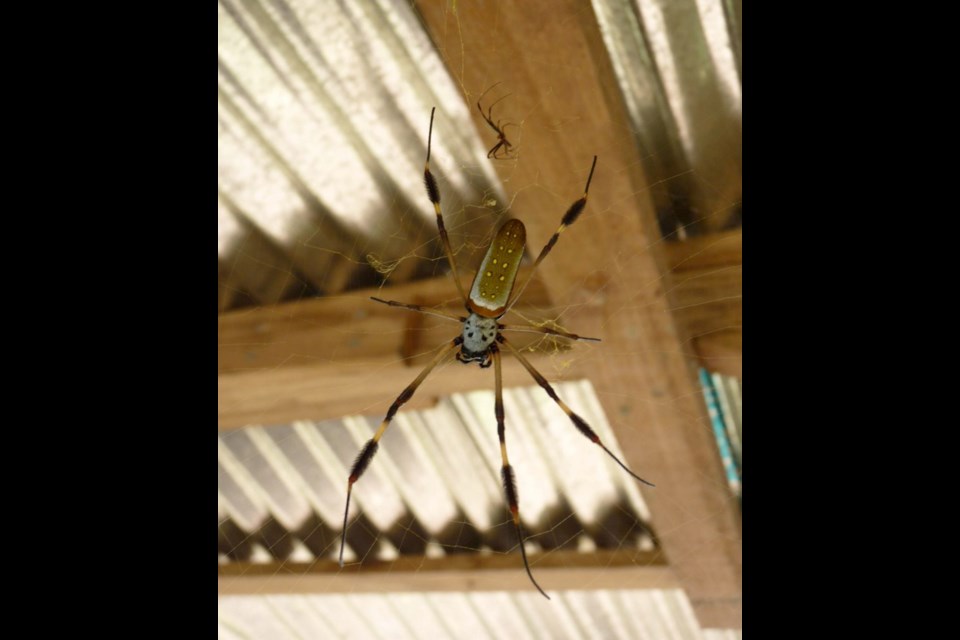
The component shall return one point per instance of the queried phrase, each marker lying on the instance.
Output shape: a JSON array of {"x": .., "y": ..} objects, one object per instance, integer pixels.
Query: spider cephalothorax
[{"x": 479, "y": 335}]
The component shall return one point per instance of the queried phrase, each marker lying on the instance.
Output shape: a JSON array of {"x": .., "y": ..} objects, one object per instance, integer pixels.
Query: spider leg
[
  {"x": 568, "y": 219},
  {"x": 487, "y": 116},
  {"x": 506, "y": 143},
  {"x": 548, "y": 331},
  {"x": 578, "y": 422},
  {"x": 506, "y": 471},
  {"x": 433, "y": 192},
  {"x": 496, "y": 102},
  {"x": 493, "y": 152},
  {"x": 417, "y": 307},
  {"x": 480, "y": 99},
  {"x": 370, "y": 449},
  {"x": 502, "y": 150}
]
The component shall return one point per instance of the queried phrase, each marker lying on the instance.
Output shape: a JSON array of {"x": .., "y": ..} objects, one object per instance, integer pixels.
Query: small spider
[
  {"x": 482, "y": 337},
  {"x": 502, "y": 142}
]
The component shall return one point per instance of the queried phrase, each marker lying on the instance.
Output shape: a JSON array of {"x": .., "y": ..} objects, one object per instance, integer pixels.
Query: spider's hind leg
[
  {"x": 577, "y": 421},
  {"x": 506, "y": 471}
]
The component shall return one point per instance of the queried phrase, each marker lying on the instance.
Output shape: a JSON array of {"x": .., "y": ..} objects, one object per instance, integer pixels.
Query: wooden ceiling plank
[{"x": 557, "y": 570}]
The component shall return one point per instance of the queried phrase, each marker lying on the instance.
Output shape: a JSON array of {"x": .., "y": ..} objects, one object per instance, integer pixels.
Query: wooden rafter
[{"x": 646, "y": 380}]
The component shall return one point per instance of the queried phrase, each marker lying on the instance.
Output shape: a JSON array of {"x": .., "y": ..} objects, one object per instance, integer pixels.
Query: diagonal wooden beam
[
  {"x": 287, "y": 362},
  {"x": 612, "y": 262}
]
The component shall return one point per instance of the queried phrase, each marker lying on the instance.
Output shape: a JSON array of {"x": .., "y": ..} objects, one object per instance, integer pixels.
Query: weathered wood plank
[
  {"x": 558, "y": 570},
  {"x": 612, "y": 263}
]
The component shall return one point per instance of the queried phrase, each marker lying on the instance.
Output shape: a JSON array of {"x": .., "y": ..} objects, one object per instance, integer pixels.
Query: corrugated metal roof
[
  {"x": 282, "y": 490},
  {"x": 436, "y": 475},
  {"x": 633, "y": 614}
]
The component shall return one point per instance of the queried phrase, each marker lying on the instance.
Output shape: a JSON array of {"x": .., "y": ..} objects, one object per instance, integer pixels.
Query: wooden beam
[
  {"x": 721, "y": 352},
  {"x": 707, "y": 294},
  {"x": 556, "y": 571},
  {"x": 349, "y": 327},
  {"x": 332, "y": 390},
  {"x": 329, "y": 357},
  {"x": 346, "y": 355},
  {"x": 611, "y": 262},
  {"x": 722, "y": 249}
]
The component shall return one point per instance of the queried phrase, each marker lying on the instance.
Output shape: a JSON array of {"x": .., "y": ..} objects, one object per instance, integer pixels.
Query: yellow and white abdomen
[{"x": 494, "y": 280}]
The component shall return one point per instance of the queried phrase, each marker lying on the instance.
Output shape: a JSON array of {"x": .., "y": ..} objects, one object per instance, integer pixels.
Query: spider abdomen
[{"x": 493, "y": 283}]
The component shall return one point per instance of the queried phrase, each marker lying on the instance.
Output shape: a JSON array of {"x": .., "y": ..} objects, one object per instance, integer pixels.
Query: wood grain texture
[
  {"x": 645, "y": 376},
  {"x": 707, "y": 294},
  {"x": 329, "y": 357},
  {"x": 558, "y": 570},
  {"x": 350, "y": 327}
]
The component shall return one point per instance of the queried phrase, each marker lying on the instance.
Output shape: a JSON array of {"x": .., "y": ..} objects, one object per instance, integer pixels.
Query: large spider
[{"x": 482, "y": 338}]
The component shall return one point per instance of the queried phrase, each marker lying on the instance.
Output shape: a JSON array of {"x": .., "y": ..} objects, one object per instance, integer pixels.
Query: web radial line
[
  {"x": 577, "y": 421},
  {"x": 370, "y": 448},
  {"x": 506, "y": 470}
]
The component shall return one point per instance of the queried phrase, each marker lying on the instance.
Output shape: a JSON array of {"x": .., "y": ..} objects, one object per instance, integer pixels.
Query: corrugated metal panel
[
  {"x": 436, "y": 479},
  {"x": 629, "y": 614},
  {"x": 320, "y": 125}
]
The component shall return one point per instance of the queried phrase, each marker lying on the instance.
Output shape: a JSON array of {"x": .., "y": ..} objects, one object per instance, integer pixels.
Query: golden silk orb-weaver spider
[{"x": 482, "y": 338}]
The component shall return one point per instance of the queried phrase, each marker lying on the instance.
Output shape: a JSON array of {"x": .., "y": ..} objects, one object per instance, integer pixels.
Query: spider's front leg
[{"x": 370, "y": 448}]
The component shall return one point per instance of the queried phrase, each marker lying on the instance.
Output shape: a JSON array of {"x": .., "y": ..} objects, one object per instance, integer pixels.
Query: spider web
[{"x": 402, "y": 489}]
